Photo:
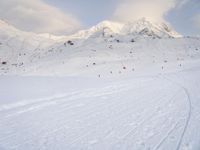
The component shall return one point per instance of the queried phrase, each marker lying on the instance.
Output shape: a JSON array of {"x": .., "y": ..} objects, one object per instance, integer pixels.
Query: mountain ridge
[
  {"x": 106, "y": 28},
  {"x": 106, "y": 45},
  {"x": 141, "y": 27}
]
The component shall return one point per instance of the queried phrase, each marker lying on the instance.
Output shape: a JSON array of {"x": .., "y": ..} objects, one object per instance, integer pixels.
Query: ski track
[
  {"x": 72, "y": 101},
  {"x": 165, "y": 138},
  {"x": 189, "y": 104},
  {"x": 28, "y": 105}
]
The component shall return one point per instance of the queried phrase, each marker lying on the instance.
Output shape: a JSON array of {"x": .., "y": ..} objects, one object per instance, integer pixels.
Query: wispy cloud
[
  {"x": 154, "y": 10},
  {"x": 37, "y": 16}
]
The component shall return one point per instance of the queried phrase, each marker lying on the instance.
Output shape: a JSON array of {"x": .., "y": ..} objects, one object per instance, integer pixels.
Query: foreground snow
[{"x": 147, "y": 112}]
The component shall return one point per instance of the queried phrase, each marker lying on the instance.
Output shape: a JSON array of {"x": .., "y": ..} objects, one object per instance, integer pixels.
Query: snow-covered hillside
[
  {"x": 114, "y": 86},
  {"x": 105, "y": 49}
]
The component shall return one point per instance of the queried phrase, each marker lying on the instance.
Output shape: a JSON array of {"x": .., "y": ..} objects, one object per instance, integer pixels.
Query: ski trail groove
[
  {"x": 132, "y": 132},
  {"x": 189, "y": 110},
  {"x": 165, "y": 138}
]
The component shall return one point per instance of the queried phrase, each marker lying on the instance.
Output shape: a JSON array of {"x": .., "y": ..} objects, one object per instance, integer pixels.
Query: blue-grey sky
[
  {"x": 68, "y": 16},
  {"x": 90, "y": 12},
  {"x": 183, "y": 19}
]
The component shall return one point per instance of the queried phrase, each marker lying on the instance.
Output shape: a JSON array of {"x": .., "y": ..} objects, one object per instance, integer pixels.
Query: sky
[{"x": 62, "y": 17}]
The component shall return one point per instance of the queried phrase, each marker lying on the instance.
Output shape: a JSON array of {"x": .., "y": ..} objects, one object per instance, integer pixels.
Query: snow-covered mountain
[
  {"x": 125, "y": 86},
  {"x": 140, "y": 27},
  {"x": 104, "y": 46},
  {"x": 17, "y": 47},
  {"x": 146, "y": 28},
  {"x": 103, "y": 29}
]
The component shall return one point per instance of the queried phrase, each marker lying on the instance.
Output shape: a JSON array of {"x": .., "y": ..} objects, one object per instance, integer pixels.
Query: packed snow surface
[
  {"x": 146, "y": 112},
  {"x": 112, "y": 87}
]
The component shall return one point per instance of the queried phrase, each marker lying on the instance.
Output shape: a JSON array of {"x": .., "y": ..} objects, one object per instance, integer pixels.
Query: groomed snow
[
  {"x": 146, "y": 112},
  {"x": 119, "y": 92}
]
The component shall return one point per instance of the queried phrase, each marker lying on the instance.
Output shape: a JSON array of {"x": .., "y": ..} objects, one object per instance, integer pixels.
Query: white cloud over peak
[
  {"x": 37, "y": 16},
  {"x": 154, "y": 10}
]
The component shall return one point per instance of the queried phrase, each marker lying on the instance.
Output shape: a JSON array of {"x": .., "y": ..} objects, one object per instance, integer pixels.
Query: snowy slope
[
  {"x": 128, "y": 86},
  {"x": 110, "y": 46},
  {"x": 147, "y": 112},
  {"x": 17, "y": 47},
  {"x": 109, "y": 58}
]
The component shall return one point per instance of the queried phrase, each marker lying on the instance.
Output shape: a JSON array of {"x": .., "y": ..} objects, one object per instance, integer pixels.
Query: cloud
[
  {"x": 154, "y": 10},
  {"x": 37, "y": 16},
  {"x": 196, "y": 21}
]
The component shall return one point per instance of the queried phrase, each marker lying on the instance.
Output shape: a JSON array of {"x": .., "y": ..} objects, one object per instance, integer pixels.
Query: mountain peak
[
  {"x": 147, "y": 28},
  {"x": 141, "y": 27},
  {"x": 101, "y": 29}
]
